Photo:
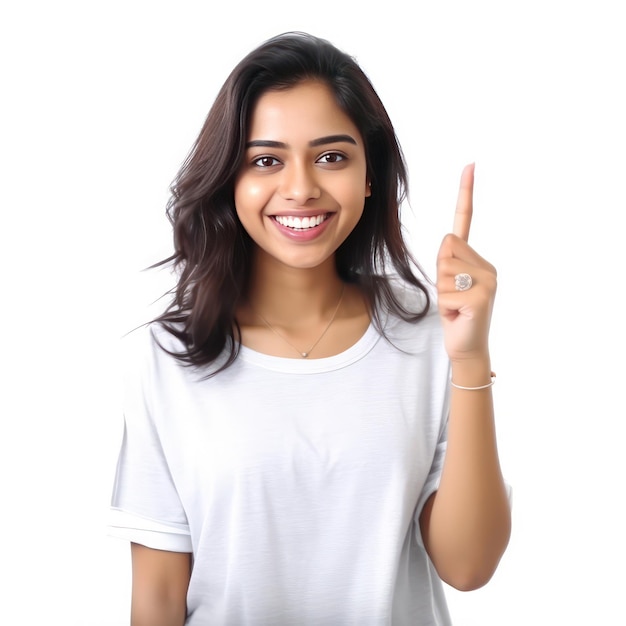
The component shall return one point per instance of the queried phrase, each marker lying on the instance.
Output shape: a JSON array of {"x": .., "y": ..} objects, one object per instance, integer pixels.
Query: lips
[{"x": 301, "y": 223}]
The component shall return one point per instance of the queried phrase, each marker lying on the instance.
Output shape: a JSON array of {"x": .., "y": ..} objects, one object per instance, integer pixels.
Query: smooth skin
[
  {"x": 466, "y": 524},
  {"x": 159, "y": 588},
  {"x": 305, "y": 157}
]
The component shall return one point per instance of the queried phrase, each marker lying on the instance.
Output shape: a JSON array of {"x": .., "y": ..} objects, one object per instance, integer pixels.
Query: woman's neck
[
  {"x": 283, "y": 294},
  {"x": 307, "y": 311}
]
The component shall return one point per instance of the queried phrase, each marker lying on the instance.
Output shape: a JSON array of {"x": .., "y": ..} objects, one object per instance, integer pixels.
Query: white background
[{"x": 102, "y": 101}]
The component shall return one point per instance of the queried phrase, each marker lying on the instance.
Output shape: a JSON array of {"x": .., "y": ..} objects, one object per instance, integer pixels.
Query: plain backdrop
[{"x": 101, "y": 102}]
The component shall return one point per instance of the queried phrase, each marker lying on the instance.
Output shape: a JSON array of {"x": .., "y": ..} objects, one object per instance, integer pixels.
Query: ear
[{"x": 368, "y": 188}]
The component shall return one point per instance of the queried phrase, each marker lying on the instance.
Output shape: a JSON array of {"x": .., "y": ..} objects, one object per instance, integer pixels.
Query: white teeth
[{"x": 298, "y": 223}]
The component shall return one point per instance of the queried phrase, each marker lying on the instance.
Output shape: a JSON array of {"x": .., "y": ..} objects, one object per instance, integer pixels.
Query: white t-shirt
[{"x": 295, "y": 483}]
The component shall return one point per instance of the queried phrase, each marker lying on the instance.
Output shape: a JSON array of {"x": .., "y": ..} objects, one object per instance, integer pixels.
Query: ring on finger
[{"x": 462, "y": 282}]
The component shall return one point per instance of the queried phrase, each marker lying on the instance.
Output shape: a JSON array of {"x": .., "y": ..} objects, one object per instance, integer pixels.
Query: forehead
[{"x": 307, "y": 110}]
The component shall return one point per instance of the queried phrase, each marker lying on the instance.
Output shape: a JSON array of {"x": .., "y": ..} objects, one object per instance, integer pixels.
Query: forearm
[{"x": 468, "y": 526}]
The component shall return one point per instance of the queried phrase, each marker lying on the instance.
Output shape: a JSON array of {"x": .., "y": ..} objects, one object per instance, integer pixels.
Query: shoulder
[
  {"x": 414, "y": 301},
  {"x": 147, "y": 338},
  {"x": 150, "y": 372},
  {"x": 148, "y": 347},
  {"x": 159, "y": 353},
  {"x": 426, "y": 329},
  {"x": 410, "y": 297},
  {"x": 138, "y": 344}
]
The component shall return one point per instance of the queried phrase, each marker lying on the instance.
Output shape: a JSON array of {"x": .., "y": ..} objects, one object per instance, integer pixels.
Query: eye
[
  {"x": 265, "y": 161},
  {"x": 331, "y": 158}
]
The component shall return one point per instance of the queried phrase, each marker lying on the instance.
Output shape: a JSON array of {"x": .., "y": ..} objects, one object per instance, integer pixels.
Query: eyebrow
[{"x": 321, "y": 141}]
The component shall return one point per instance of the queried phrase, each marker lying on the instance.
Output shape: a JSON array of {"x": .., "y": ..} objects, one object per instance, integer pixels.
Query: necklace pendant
[{"x": 304, "y": 355}]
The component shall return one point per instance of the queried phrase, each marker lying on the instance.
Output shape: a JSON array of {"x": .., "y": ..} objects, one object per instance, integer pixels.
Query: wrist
[{"x": 474, "y": 372}]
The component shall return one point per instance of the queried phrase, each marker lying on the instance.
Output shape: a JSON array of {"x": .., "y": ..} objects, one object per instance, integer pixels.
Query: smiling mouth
[{"x": 301, "y": 223}]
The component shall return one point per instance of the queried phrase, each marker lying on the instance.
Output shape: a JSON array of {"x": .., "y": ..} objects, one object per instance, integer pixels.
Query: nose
[{"x": 298, "y": 183}]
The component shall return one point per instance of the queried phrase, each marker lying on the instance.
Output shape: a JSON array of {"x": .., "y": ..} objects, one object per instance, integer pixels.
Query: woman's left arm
[{"x": 466, "y": 523}]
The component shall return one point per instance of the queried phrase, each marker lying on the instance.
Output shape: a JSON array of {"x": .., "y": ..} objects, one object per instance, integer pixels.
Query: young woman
[{"x": 309, "y": 438}]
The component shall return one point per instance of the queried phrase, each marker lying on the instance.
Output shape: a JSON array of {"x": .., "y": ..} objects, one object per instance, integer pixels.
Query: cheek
[
  {"x": 354, "y": 186},
  {"x": 250, "y": 195},
  {"x": 353, "y": 196}
]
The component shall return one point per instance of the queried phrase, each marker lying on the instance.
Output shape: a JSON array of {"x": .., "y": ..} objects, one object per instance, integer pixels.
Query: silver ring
[{"x": 462, "y": 282}]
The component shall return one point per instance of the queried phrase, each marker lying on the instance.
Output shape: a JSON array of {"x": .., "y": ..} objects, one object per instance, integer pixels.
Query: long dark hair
[{"x": 213, "y": 252}]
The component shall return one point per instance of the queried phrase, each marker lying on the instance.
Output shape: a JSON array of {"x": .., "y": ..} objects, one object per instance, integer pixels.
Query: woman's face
[{"x": 303, "y": 183}]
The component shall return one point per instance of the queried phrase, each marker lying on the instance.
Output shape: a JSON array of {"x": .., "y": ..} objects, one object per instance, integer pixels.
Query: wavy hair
[{"x": 213, "y": 252}]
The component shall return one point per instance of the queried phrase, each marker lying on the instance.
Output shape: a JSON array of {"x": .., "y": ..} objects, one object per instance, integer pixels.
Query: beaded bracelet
[{"x": 493, "y": 380}]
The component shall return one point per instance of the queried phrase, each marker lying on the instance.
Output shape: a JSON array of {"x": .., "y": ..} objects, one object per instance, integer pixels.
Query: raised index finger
[{"x": 464, "y": 204}]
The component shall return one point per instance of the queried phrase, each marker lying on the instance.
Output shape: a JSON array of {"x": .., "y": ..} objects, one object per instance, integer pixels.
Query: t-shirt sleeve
[{"x": 145, "y": 505}]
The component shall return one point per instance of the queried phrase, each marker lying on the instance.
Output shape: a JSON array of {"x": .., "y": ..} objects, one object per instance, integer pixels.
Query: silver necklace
[{"x": 305, "y": 354}]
